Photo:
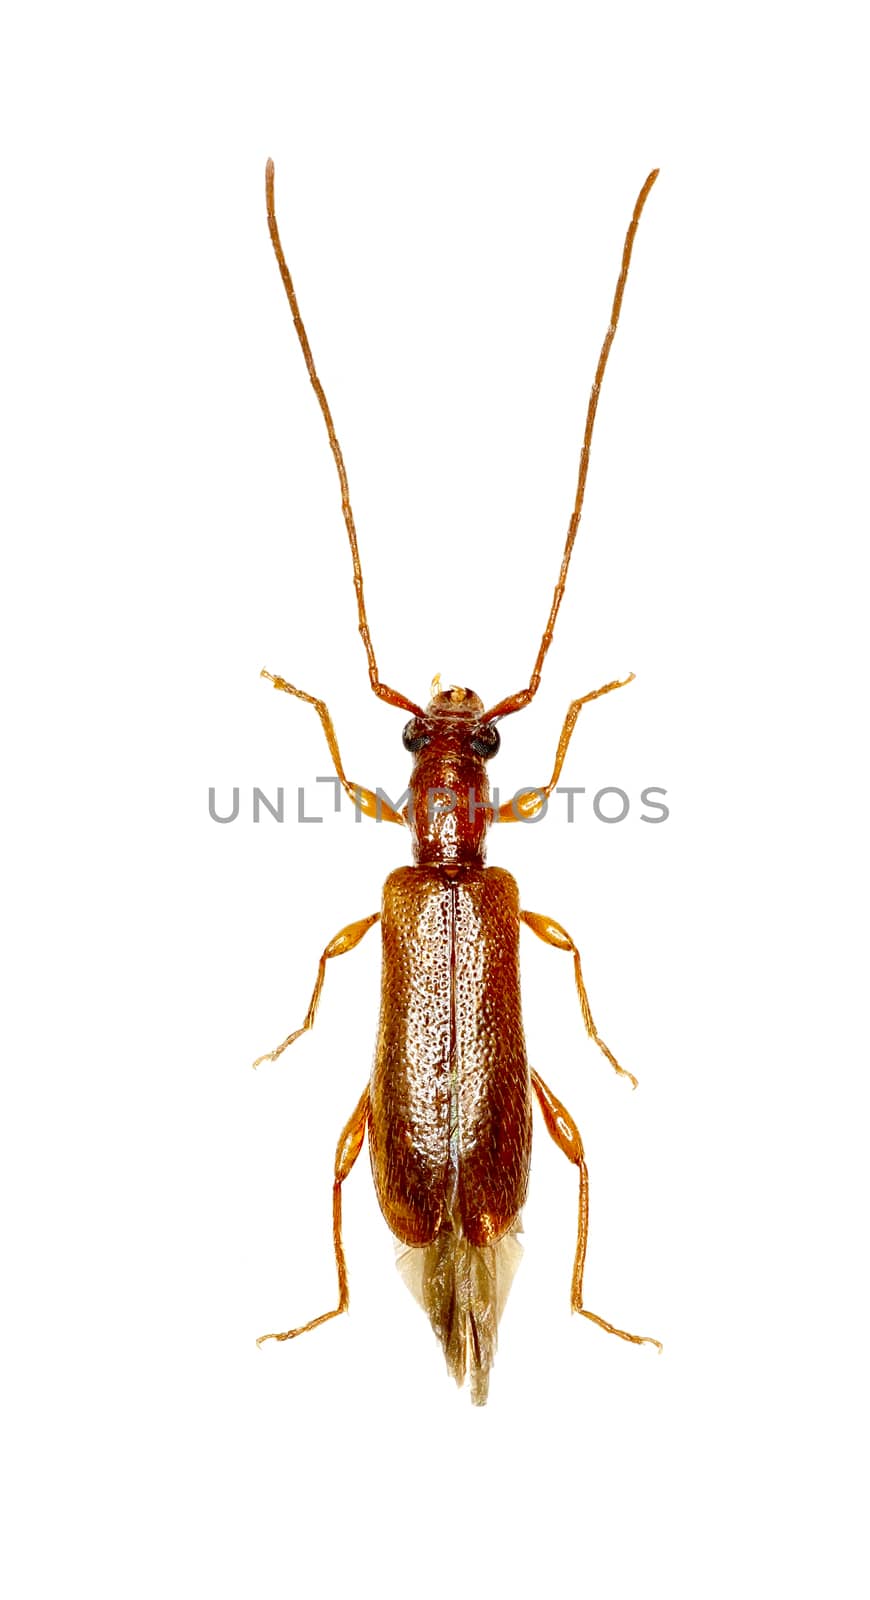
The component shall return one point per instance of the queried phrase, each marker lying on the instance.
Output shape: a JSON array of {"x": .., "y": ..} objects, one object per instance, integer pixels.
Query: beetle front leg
[
  {"x": 525, "y": 806},
  {"x": 347, "y": 939},
  {"x": 372, "y": 805},
  {"x": 349, "y": 1147},
  {"x": 553, "y": 933},
  {"x": 564, "y": 1132}
]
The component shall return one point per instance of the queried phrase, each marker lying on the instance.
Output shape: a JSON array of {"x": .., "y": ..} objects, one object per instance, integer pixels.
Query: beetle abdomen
[
  {"x": 450, "y": 1120},
  {"x": 462, "y": 1288}
]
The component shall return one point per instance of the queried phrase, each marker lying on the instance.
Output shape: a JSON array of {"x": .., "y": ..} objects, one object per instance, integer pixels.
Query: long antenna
[
  {"x": 516, "y": 702},
  {"x": 382, "y": 690}
]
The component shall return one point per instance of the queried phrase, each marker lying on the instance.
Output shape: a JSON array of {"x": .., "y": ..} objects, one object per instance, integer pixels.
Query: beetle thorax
[{"x": 449, "y": 809}]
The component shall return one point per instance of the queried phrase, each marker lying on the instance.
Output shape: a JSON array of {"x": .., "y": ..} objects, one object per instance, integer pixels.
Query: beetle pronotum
[{"x": 448, "y": 1107}]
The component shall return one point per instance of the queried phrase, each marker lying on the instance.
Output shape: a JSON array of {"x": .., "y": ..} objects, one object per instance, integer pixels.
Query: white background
[{"x": 453, "y": 185}]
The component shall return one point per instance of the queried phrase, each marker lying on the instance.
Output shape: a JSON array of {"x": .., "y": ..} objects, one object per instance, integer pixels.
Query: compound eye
[
  {"x": 486, "y": 741},
  {"x": 415, "y": 736}
]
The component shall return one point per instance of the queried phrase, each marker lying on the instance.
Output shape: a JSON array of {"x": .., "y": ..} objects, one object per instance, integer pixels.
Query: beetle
[{"x": 448, "y": 1108}]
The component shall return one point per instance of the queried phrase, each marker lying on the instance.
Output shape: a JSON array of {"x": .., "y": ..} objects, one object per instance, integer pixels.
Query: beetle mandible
[{"x": 448, "y": 1108}]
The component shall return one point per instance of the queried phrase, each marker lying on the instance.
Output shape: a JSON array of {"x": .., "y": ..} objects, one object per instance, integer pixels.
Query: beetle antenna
[
  {"x": 516, "y": 702},
  {"x": 382, "y": 690}
]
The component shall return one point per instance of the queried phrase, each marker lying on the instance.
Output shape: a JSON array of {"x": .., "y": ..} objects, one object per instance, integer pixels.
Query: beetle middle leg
[
  {"x": 553, "y": 933},
  {"x": 349, "y": 1147},
  {"x": 347, "y": 939},
  {"x": 564, "y": 1132}
]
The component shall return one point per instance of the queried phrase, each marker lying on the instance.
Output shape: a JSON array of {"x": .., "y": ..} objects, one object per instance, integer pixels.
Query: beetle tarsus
[
  {"x": 633, "y": 1338},
  {"x": 293, "y": 1333}
]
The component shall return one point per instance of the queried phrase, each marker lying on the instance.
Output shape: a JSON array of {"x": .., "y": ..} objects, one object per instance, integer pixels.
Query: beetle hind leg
[
  {"x": 564, "y": 1132},
  {"x": 349, "y": 1147}
]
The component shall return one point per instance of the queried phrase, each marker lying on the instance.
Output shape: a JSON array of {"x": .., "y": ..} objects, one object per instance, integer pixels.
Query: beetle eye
[
  {"x": 414, "y": 736},
  {"x": 486, "y": 741}
]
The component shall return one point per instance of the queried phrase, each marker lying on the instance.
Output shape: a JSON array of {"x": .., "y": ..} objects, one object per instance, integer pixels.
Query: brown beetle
[{"x": 448, "y": 1108}]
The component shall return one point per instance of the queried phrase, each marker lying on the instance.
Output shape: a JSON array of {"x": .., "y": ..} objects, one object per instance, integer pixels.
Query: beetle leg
[
  {"x": 347, "y": 939},
  {"x": 349, "y": 1147},
  {"x": 553, "y": 933},
  {"x": 372, "y": 805},
  {"x": 564, "y": 1132},
  {"x": 525, "y": 806}
]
